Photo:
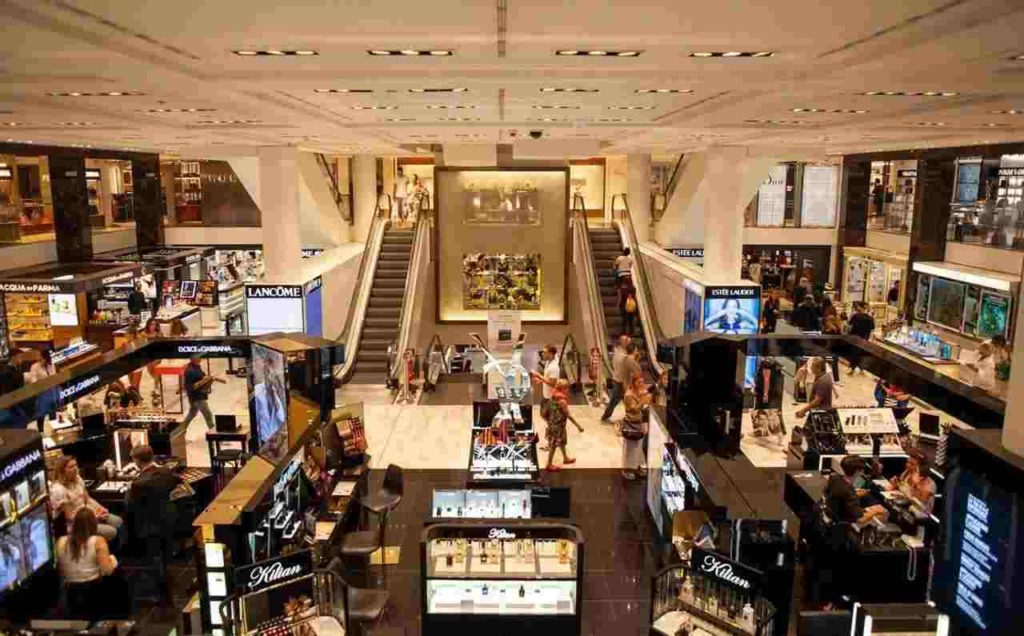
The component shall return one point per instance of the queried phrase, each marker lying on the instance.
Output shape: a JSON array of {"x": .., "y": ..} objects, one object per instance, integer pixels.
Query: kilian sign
[
  {"x": 729, "y": 572},
  {"x": 259, "y": 576}
]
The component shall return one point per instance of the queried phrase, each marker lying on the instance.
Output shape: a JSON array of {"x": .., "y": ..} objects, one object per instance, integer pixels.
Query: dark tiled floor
[{"x": 620, "y": 557}]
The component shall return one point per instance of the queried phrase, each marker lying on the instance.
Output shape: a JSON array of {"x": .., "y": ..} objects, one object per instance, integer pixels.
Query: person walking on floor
[
  {"x": 624, "y": 366},
  {"x": 197, "y": 387},
  {"x": 821, "y": 391},
  {"x": 806, "y": 317},
  {"x": 862, "y": 324},
  {"x": 551, "y": 371},
  {"x": 770, "y": 313},
  {"x": 634, "y": 427},
  {"x": 558, "y": 412}
]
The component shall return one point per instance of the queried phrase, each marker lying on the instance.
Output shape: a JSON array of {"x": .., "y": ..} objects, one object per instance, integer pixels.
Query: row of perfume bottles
[
  {"x": 457, "y": 551},
  {"x": 719, "y": 600},
  {"x": 510, "y": 509}
]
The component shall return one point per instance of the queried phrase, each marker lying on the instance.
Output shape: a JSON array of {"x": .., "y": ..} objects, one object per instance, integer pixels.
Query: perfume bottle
[
  {"x": 485, "y": 590},
  {"x": 522, "y": 593}
]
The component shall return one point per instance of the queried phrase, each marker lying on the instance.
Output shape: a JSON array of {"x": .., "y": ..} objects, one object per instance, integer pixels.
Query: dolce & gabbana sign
[
  {"x": 73, "y": 391},
  {"x": 259, "y": 576},
  {"x": 729, "y": 572},
  {"x": 17, "y": 466},
  {"x": 113, "y": 278},
  {"x": 273, "y": 291},
  {"x": 209, "y": 350}
]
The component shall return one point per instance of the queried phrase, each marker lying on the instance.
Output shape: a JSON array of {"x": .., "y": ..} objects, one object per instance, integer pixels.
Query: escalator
[{"x": 384, "y": 310}]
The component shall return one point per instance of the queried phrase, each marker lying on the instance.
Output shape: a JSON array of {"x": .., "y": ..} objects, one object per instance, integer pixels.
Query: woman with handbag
[
  {"x": 558, "y": 413},
  {"x": 634, "y": 427}
]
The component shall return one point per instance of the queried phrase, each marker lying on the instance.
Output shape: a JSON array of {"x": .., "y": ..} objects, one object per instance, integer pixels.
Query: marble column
[
  {"x": 638, "y": 187},
  {"x": 146, "y": 203},
  {"x": 364, "y": 195},
  {"x": 70, "y": 208},
  {"x": 279, "y": 200}
]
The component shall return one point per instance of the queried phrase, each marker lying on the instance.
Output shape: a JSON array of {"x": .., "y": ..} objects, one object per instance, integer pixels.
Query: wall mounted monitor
[
  {"x": 269, "y": 402},
  {"x": 994, "y": 315},
  {"x": 946, "y": 303}
]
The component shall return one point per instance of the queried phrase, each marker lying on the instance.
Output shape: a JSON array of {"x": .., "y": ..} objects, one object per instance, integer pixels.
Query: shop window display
[{"x": 501, "y": 281}]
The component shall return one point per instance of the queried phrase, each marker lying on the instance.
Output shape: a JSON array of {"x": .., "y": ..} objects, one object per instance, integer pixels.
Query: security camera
[{"x": 536, "y": 134}]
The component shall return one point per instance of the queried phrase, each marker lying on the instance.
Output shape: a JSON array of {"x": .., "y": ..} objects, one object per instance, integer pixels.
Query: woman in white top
[
  {"x": 68, "y": 496},
  {"x": 623, "y": 265},
  {"x": 42, "y": 368},
  {"x": 84, "y": 559}
]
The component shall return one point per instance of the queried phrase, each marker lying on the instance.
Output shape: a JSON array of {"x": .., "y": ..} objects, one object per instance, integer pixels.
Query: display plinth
[{"x": 521, "y": 577}]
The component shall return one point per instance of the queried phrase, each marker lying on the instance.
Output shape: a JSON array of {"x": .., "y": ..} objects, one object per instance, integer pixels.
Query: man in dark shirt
[
  {"x": 842, "y": 498},
  {"x": 151, "y": 510},
  {"x": 806, "y": 316},
  {"x": 197, "y": 388},
  {"x": 862, "y": 324},
  {"x": 136, "y": 300},
  {"x": 821, "y": 391}
]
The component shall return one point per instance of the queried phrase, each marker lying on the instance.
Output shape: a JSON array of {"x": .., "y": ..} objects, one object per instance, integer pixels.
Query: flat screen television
[
  {"x": 733, "y": 315},
  {"x": 25, "y": 547},
  {"x": 269, "y": 406},
  {"x": 994, "y": 315},
  {"x": 946, "y": 303}
]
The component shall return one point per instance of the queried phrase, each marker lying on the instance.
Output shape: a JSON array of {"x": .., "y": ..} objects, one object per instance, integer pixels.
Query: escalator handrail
[
  {"x": 595, "y": 302},
  {"x": 364, "y": 280},
  {"x": 645, "y": 302},
  {"x": 420, "y": 243}
]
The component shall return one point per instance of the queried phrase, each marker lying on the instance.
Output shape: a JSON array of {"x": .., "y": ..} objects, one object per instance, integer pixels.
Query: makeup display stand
[{"x": 516, "y": 577}]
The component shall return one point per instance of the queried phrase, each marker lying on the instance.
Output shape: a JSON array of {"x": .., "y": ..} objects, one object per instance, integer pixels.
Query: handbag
[{"x": 633, "y": 430}]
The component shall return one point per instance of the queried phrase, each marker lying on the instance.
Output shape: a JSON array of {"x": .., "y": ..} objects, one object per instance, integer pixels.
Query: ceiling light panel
[
  {"x": 175, "y": 110},
  {"x": 459, "y": 119},
  {"x": 560, "y": 89},
  {"x": 342, "y": 90},
  {"x": 276, "y": 52},
  {"x": 735, "y": 54},
  {"x": 460, "y": 89},
  {"x": 909, "y": 93},
  {"x": 776, "y": 122},
  {"x": 411, "y": 52},
  {"x": 631, "y": 107},
  {"x": 374, "y": 107},
  {"x": 97, "y": 94},
  {"x": 451, "y": 106},
  {"x": 831, "y": 111},
  {"x": 597, "y": 53},
  {"x": 932, "y": 124},
  {"x": 1008, "y": 112},
  {"x": 228, "y": 122},
  {"x": 556, "y": 107}
]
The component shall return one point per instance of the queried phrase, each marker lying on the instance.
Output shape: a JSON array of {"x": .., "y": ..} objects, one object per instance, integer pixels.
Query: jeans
[
  {"x": 199, "y": 406},
  {"x": 614, "y": 397}
]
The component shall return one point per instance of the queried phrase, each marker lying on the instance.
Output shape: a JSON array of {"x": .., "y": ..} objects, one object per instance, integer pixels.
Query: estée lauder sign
[{"x": 729, "y": 572}]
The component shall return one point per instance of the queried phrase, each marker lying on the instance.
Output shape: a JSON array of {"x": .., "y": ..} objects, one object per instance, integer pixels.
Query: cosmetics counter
[
  {"x": 710, "y": 594},
  {"x": 503, "y": 446},
  {"x": 519, "y": 576},
  {"x": 869, "y": 275},
  {"x": 830, "y": 435},
  {"x": 532, "y": 502}
]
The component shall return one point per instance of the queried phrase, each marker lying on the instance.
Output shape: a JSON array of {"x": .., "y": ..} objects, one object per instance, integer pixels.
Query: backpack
[{"x": 630, "y": 304}]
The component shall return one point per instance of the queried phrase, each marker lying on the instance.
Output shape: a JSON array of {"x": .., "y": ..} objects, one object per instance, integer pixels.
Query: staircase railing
[
  {"x": 589, "y": 283},
  {"x": 642, "y": 281},
  {"x": 342, "y": 200},
  {"x": 420, "y": 252},
  {"x": 364, "y": 280}
]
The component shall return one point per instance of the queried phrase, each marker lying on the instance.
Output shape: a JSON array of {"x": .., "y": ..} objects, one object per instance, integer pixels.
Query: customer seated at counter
[
  {"x": 68, "y": 495},
  {"x": 843, "y": 499},
  {"x": 915, "y": 483},
  {"x": 84, "y": 559}
]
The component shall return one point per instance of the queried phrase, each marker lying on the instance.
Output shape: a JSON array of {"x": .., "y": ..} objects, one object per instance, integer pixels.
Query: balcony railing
[{"x": 990, "y": 225}]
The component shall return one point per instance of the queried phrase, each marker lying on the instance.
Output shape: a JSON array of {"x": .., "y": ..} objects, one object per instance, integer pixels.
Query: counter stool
[
  {"x": 221, "y": 458},
  {"x": 362, "y": 544},
  {"x": 362, "y": 605},
  {"x": 382, "y": 502}
]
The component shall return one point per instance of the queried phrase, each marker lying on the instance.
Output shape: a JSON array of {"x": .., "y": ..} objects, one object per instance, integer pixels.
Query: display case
[
  {"x": 28, "y": 318},
  {"x": 26, "y": 546},
  {"x": 710, "y": 595},
  {"x": 833, "y": 434},
  {"x": 521, "y": 576},
  {"x": 481, "y": 504},
  {"x": 498, "y": 455}
]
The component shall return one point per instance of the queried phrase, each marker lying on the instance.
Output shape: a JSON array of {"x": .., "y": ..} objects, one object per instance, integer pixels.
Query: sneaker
[{"x": 628, "y": 475}]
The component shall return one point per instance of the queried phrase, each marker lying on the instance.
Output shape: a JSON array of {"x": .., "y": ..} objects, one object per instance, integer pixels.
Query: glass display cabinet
[{"x": 516, "y": 577}]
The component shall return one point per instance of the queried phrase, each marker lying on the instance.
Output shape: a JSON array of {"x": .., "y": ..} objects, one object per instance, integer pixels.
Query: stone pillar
[
  {"x": 638, "y": 187},
  {"x": 855, "y": 193},
  {"x": 730, "y": 180},
  {"x": 935, "y": 179},
  {"x": 364, "y": 195},
  {"x": 70, "y": 208},
  {"x": 148, "y": 209},
  {"x": 279, "y": 198},
  {"x": 1013, "y": 421}
]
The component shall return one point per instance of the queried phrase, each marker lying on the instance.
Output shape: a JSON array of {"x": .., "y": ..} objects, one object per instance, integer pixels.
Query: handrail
[
  {"x": 673, "y": 179},
  {"x": 364, "y": 280},
  {"x": 332, "y": 183},
  {"x": 570, "y": 351},
  {"x": 642, "y": 282},
  {"x": 595, "y": 304},
  {"x": 420, "y": 249}
]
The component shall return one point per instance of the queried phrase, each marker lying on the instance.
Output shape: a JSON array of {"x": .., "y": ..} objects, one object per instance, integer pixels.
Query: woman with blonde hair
[
  {"x": 634, "y": 426},
  {"x": 68, "y": 496}
]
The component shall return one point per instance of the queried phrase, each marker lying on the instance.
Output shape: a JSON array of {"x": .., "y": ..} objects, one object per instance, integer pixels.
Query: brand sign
[
  {"x": 113, "y": 278},
  {"x": 73, "y": 391},
  {"x": 688, "y": 252},
  {"x": 259, "y": 576},
  {"x": 732, "y": 292},
  {"x": 729, "y": 572},
  {"x": 273, "y": 291},
  {"x": 500, "y": 533},
  {"x": 31, "y": 288},
  {"x": 209, "y": 350},
  {"x": 688, "y": 471},
  {"x": 189, "y": 260},
  {"x": 20, "y": 464},
  {"x": 314, "y": 284},
  {"x": 310, "y": 252}
]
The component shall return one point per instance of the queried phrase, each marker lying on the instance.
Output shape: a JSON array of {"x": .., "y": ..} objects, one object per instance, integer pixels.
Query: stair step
[
  {"x": 379, "y": 333},
  {"x": 381, "y": 291},
  {"x": 384, "y": 312},
  {"x": 385, "y": 303},
  {"x": 381, "y": 323},
  {"x": 371, "y": 356}
]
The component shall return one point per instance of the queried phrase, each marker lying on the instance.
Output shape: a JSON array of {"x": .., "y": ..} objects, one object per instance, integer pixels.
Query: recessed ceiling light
[
  {"x": 413, "y": 52},
  {"x": 597, "y": 53},
  {"x": 176, "y": 110},
  {"x": 631, "y": 107},
  {"x": 1008, "y": 112},
  {"x": 275, "y": 52},
  {"x": 342, "y": 90},
  {"x": 375, "y": 107},
  {"x": 831, "y": 111},
  {"x": 379, "y": 52},
  {"x": 732, "y": 54},
  {"x": 556, "y": 107},
  {"x": 440, "y": 53},
  {"x": 460, "y": 119},
  {"x": 409, "y": 52},
  {"x": 460, "y": 89},
  {"x": 776, "y": 122},
  {"x": 98, "y": 94},
  {"x": 646, "y": 91},
  {"x": 397, "y": 119},
  {"x": 930, "y": 123},
  {"x": 909, "y": 93},
  {"x": 227, "y": 122},
  {"x": 994, "y": 125},
  {"x": 553, "y": 89},
  {"x": 1018, "y": 58},
  {"x": 13, "y": 124},
  {"x": 614, "y": 120},
  {"x": 451, "y": 106},
  {"x": 567, "y": 52}
]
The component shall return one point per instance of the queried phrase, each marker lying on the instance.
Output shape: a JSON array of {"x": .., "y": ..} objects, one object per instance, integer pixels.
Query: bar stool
[
  {"x": 382, "y": 502},
  {"x": 362, "y": 606},
  {"x": 221, "y": 458},
  {"x": 362, "y": 544}
]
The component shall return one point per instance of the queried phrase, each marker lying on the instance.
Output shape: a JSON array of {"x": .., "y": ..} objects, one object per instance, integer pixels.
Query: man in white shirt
[
  {"x": 401, "y": 193},
  {"x": 552, "y": 370}
]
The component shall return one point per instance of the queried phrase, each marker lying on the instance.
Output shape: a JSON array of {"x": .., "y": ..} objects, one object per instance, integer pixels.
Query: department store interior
[{"x": 563, "y": 318}]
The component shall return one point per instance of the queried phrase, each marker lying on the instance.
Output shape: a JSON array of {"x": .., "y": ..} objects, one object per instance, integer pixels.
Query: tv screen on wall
[
  {"x": 946, "y": 303},
  {"x": 269, "y": 402},
  {"x": 994, "y": 316}
]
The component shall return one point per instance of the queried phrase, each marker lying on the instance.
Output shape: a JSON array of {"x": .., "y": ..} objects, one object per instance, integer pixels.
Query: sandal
[
  {"x": 554, "y": 469},
  {"x": 570, "y": 460}
]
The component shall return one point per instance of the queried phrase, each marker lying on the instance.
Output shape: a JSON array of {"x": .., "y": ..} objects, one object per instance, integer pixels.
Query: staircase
[
  {"x": 606, "y": 245},
  {"x": 384, "y": 311}
]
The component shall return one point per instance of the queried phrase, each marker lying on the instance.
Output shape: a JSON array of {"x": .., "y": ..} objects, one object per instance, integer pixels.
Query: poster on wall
[
  {"x": 994, "y": 316},
  {"x": 269, "y": 408},
  {"x": 501, "y": 281},
  {"x": 734, "y": 310},
  {"x": 494, "y": 201},
  {"x": 274, "y": 308},
  {"x": 818, "y": 202},
  {"x": 771, "y": 198},
  {"x": 314, "y": 305}
]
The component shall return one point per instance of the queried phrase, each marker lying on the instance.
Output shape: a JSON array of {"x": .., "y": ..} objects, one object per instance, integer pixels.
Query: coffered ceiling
[{"x": 168, "y": 76}]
